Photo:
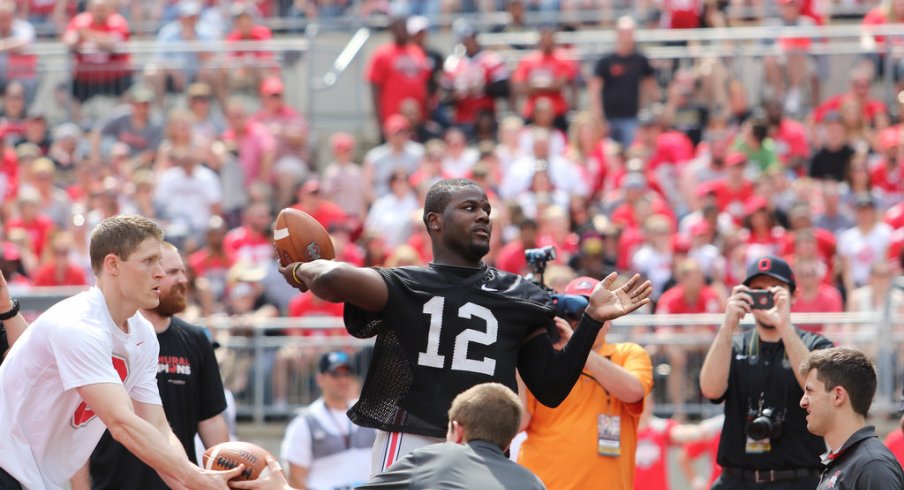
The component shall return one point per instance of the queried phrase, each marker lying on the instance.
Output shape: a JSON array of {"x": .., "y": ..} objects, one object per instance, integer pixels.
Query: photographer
[
  {"x": 607, "y": 402},
  {"x": 765, "y": 442}
]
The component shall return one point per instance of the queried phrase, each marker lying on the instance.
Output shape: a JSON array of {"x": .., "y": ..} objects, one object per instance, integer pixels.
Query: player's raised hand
[{"x": 608, "y": 304}]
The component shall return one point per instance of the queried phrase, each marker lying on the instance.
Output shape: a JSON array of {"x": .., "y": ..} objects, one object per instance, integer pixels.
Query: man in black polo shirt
[
  {"x": 765, "y": 442},
  {"x": 840, "y": 384}
]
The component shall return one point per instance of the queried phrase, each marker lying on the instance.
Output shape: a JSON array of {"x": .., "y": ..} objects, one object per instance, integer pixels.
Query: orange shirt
[{"x": 561, "y": 445}]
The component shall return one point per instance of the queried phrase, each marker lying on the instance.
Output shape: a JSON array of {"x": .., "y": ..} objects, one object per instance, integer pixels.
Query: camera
[
  {"x": 569, "y": 306},
  {"x": 537, "y": 256},
  {"x": 763, "y": 423},
  {"x": 762, "y": 299}
]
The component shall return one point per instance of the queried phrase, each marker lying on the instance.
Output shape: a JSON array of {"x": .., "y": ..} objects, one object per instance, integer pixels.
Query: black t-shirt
[
  {"x": 444, "y": 329},
  {"x": 191, "y": 389},
  {"x": 691, "y": 120},
  {"x": 828, "y": 164},
  {"x": 763, "y": 367},
  {"x": 621, "y": 83}
]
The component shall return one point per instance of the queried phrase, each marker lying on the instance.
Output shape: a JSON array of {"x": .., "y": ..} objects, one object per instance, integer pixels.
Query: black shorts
[
  {"x": 83, "y": 90},
  {"x": 7, "y": 482}
]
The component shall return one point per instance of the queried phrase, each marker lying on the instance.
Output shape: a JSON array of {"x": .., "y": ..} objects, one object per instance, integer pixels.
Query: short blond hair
[
  {"x": 120, "y": 235},
  {"x": 488, "y": 412}
]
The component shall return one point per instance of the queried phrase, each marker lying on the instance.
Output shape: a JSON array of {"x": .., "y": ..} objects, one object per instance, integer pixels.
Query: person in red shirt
[
  {"x": 874, "y": 111},
  {"x": 546, "y": 73},
  {"x": 211, "y": 262},
  {"x": 473, "y": 79},
  {"x": 102, "y": 65},
  {"x": 813, "y": 295},
  {"x": 894, "y": 441},
  {"x": 888, "y": 174},
  {"x": 895, "y": 216},
  {"x": 733, "y": 189},
  {"x": 37, "y": 226},
  {"x": 58, "y": 269},
  {"x": 246, "y": 68},
  {"x": 511, "y": 257},
  {"x": 800, "y": 218},
  {"x": 313, "y": 202},
  {"x": 251, "y": 242},
  {"x": 398, "y": 71},
  {"x": 691, "y": 295},
  {"x": 790, "y": 138}
]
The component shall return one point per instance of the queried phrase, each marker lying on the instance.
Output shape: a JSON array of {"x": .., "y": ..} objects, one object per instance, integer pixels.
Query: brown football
[
  {"x": 300, "y": 238},
  {"x": 228, "y": 455}
]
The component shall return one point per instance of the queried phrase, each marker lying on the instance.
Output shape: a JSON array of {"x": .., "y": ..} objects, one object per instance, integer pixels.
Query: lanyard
[{"x": 347, "y": 433}]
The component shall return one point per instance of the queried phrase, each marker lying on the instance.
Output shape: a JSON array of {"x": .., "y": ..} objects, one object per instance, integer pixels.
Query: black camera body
[
  {"x": 540, "y": 256},
  {"x": 764, "y": 423}
]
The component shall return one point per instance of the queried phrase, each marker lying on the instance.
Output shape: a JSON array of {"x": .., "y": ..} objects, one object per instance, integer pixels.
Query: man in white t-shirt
[
  {"x": 864, "y": 244},
  {"x": 323, "y": 448},
  {"x": 90, "y": 363}
]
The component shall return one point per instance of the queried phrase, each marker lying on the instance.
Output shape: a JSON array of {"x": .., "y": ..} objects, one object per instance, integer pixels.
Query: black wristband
[{"x": 12, "y": 311}]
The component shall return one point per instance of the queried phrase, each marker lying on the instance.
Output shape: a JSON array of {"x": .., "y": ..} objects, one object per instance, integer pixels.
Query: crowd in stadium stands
[{"x": 675, "y": 172}]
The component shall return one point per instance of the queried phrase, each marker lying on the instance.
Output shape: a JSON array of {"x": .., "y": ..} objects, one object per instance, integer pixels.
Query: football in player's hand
[
  {"x": 228, "y": 455},
  {"x": 300, "y": 238}
]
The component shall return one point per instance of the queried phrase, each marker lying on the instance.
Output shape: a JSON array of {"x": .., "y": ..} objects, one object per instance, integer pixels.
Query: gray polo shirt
[{"x": 863, "y": 462}]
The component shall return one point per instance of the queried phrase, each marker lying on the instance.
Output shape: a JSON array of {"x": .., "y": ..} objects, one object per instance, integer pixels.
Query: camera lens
[{"x": 759, "y": 428}]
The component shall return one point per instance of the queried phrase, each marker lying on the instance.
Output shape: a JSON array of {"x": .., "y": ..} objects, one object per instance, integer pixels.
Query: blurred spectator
[
  {"x": 793, "y": 63},
  {"x": 690, "y": 295},
  {"x": 210, "y": 263},
  {"x": 37, "y": 226},
  {"x": 814, "y": 296},
  {"x": 176, "y": 67},
  {"x": 761, "y": 232},
  {"x": 13, "y": 116},
  {"x": 312, "y": 200},
  {"x": 251, "y": 242},
  {"x": 509, "y": 149},
  {"x": 390, "y": 215},
  {"x": 102, "y": 65},
  {"x": 874, "y": 295},
  {"x": 732, "y": 191},
  {"x": 133, "y": 125},
  {"x": 55, "y": 203},
  {"x": 208, "y": 125},
  {"x": 587, "y": 147},
  {"x": 399, "y": 152},
  {"x": 255, "y": 146},
  {"x": 546, "y": 73},
  {"x": 473, "y": 79},
  {"x": 886, "y": 12},
  {"x": 622, "y": 82},
  {"x": 277, "y": 116},
  {"x": 417, "y": 27},
  {"x": 36, "y": 132},
  {"x": 833, "y": 217},
  {"x": 684, "y": 110},
  {"x": 343, "y": 179},
  {"x": 754, "y": 142},
  {"x": 873, "y": 111},
  {"x": 511, "y": 257},
  {"x": 790, "y": 138},
  {"x": 709, "y": 446},
  {"x": 16, "y": 37},
  {"x": 459, "y": 158},
  {"x": 57, "y": 269},
  {"x": 422, "y": 128},
  {"x": 246, "y": 66},
  {"x": 886, "y": 175},
  {"x": 832, "y": 160},
  {"x": 563, "y": 174},
  {"x": 67, "y": 148},
  {"x": 397, "y": 71},
  {"x": 653, "y": 260},
  {"x": 188, "y": 194},
  {"x": 863, "y": 244},
  {"x": 543, "y": 118}
]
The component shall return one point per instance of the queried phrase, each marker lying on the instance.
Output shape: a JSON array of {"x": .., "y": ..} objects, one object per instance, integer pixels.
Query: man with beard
[
  {"x": 189, "y": 382},
  {"x": 765, "y": 442},
  {"x": 454, "y": 324}
]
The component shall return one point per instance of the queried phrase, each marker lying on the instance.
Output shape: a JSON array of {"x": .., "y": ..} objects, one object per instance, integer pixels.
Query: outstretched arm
[
  {"x": 339, "y": 282},
  {"x": 16, "y": 325},
  {"x": 550, "y": 374}
]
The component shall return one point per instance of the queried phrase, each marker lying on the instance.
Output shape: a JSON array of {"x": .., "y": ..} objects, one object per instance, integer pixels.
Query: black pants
[
  {"x": 726, "y": 482},
  {"x": 7, "y": 482}
]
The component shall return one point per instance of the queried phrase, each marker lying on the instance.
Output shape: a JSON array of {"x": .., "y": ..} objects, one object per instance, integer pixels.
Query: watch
[{"x": 12, "y": 311}]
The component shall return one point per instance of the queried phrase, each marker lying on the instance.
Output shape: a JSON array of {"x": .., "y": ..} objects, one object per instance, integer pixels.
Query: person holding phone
[{"x": 764, "y": 442}]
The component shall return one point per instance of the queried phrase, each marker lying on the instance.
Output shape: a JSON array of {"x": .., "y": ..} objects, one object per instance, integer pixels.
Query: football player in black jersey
[{"x": 444, "y": 328}]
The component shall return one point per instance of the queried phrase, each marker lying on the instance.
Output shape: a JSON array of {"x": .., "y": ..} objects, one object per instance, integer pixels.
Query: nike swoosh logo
[
  {"x": 139, "y": 343},
  {"x": 485, "y": 288}
]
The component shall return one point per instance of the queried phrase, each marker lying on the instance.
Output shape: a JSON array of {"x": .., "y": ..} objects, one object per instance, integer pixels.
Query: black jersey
[
  {"x": 188, "y": 379},
  {"x": 444, "y": 329}
]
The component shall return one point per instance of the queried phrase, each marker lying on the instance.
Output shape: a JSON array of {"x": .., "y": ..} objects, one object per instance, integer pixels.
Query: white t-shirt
[
  {"x": 188, "y": 197},
  {"x": 47, "y": 433},
  {"x": 863, "y": 250},
  {"x": 345, "y": 469}
]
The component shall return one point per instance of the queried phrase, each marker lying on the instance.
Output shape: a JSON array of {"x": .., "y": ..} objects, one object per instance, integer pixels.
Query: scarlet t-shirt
[
  {"x": 871, "y": 109},
  {"x": 894, "y": 441},
  {"x": 730, "y": 200},
  {"x": 651, "y": 461},
  {"x": 891, "y": 181},
  {"x": 258, "y": 33},
  {"x": 710, "y": 447},
  {"x": 791, "y": 141},
  {"x": 306, "y": 304},
  {"x": 682, "y": 14},
  {"x": 38, "y": 231},
  {"x": 244, "y": 244},
  {"x": 895, "y": 216},
  {"x": 327, "y": 213},
  {"x": 400, "y": 72},
  {"x": 537, "y": 68},
  {"x": 827, "y": 300},
  {"x": 673, "y": 302},
  {"x": 471, "y": 76},
  {"x": 95, "y": 65},
  {"x": 672, "y": 148},
  {"x": 46, "y": 276}
]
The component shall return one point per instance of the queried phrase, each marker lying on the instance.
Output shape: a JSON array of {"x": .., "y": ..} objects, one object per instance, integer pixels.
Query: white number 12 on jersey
[{"x": 460, "y": 361}]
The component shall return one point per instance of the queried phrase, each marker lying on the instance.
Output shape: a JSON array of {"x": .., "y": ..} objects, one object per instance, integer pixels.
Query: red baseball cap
[
  {"x": 735, "y": 158},
  {"x": 756, "y": 203},
  {"x": 395, "y": 123},
  {"x": 272, "y": 86},
  {"x": 342, "y": 141},
  {"x": 889, "y": 138},
  {"x": 581, "y": 286}
]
